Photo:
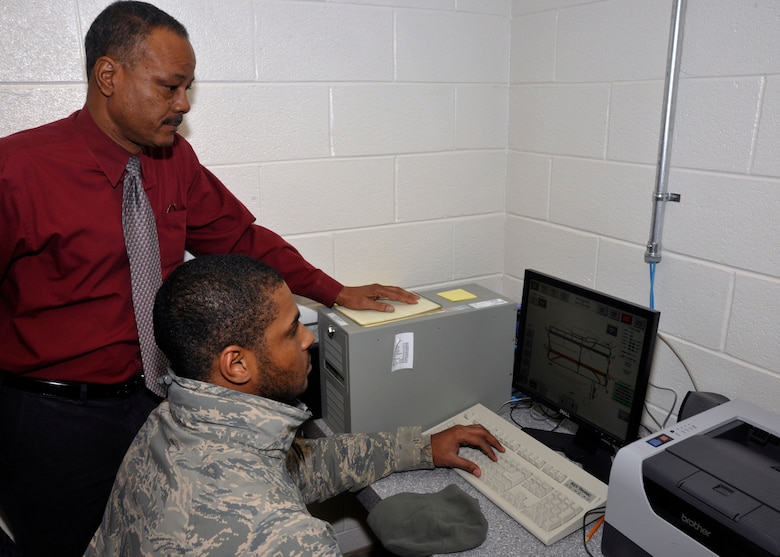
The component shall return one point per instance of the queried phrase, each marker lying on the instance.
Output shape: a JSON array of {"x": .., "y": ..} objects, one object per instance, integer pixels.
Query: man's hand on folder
[{"x": 370, "y": 296}]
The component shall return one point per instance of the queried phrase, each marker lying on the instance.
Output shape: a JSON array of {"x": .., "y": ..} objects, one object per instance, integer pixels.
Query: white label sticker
[
  {"x": 488, "y": 303},
  {"x": 403, "y": 351},
  {"x": 337, "y": 319}
]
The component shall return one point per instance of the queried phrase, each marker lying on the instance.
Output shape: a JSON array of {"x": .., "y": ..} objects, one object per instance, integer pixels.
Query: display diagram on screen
[{"x": 587, "y": 355}]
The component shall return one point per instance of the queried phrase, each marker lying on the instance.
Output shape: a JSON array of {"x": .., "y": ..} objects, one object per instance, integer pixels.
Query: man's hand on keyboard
[{"x": 445, "y": 446}]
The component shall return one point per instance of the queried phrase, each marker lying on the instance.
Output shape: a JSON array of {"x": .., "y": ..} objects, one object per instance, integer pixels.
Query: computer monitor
[{"x": 586, "y": 355}]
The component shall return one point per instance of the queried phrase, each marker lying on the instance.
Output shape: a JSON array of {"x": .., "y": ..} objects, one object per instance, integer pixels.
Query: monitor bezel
[{"x": 645, "y": 364}]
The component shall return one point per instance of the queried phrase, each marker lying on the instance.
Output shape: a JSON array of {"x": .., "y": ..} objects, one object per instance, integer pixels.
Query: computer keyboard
[{"x": 541, "y": 489}]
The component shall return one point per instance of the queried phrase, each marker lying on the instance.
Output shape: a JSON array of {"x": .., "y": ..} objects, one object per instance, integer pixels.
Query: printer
[{"x": 709, "y": 485}]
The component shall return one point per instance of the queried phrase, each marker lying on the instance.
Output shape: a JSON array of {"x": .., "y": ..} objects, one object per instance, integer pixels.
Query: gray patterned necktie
[{"x": 143, "y": 252}]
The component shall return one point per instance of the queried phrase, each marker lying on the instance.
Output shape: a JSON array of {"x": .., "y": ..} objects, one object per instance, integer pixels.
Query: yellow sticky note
[{"x": 457, "y": 295}]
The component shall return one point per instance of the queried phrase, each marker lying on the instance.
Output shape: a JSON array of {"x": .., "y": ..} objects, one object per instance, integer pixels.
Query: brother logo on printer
[{"x": 696, "y": 526}]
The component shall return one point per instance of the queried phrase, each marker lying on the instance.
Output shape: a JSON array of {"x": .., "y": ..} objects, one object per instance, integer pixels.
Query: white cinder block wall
[
  {"x": 426, "y": 142},
  {"x": 587, "y": 83}
]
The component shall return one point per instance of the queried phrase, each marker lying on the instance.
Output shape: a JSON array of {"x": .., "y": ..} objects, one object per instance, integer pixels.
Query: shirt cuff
[{"x": 413, "y": 449}]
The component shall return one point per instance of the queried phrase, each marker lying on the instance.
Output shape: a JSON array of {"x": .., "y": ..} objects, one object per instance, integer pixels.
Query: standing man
[
  {"x": 95, "y": 210},
  {"x": 217, "y": 469}
]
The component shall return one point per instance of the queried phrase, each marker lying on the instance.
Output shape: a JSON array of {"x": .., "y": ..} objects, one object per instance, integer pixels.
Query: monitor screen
[{"x": 586, "y": 355}]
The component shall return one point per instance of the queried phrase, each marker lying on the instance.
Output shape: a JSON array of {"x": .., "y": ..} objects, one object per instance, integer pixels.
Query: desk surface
[{"x": 505, "y": 536}]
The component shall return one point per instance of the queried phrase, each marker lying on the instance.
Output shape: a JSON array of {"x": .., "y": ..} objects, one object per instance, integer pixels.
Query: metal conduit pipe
[{"x": 660, "y": 197}]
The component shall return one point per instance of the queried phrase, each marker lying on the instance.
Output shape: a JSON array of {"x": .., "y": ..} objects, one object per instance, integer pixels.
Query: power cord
[
  {"x": 586, "y": 536},
  {"x": 669, "y": 414},
  {"x": 680, "y": 358},
  {"x": 674, "y": 404}
]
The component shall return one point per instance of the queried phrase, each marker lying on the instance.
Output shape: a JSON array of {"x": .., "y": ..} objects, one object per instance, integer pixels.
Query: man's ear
[
  {"x": 235, "y": 365},
  {"x": 105, "y": 72}
]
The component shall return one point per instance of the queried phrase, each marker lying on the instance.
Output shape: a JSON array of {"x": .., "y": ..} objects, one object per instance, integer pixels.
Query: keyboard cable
[{"x": 587, "y": 536}]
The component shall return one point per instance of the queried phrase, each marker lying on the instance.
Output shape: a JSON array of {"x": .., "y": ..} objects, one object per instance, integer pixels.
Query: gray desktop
[{"x": 417, "y": 370}]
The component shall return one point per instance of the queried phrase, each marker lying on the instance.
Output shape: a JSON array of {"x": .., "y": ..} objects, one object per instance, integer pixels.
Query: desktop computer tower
[{"x": 419, "y": 370}]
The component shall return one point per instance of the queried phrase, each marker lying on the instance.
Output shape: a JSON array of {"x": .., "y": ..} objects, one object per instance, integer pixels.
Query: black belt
[{"x": 71, "y": 389}]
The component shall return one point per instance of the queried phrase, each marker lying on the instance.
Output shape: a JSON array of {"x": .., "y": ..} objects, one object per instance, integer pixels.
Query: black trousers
[{"x": 58, "y": 460}]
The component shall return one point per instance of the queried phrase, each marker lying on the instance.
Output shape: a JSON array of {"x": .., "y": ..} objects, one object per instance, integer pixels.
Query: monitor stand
[{"x": 589, "y": 450}]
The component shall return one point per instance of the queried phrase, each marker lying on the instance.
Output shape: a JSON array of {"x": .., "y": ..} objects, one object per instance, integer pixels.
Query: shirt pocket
[{"x": 172, "y": 233}]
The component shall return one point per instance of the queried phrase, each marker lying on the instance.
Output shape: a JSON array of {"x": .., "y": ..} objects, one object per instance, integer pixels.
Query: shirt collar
[
  {"x": 111, "y": 158},
  {"x": 222, "y": 413}
]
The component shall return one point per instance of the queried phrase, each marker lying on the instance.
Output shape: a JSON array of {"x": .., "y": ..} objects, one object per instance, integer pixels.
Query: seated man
[{"x": 217, "y": 469}]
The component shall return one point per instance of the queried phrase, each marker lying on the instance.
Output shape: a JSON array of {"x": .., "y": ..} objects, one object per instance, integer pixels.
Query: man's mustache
[{"x": 174, "y": 120}]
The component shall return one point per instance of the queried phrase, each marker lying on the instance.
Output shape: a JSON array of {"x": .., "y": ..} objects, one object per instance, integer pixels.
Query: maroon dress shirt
[{"x": 65, "y": 303}]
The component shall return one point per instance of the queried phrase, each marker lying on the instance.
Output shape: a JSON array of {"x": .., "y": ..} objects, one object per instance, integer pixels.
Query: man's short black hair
[
  {"x": 212, "y": 302},
  {"x": 120, "y": 29}
]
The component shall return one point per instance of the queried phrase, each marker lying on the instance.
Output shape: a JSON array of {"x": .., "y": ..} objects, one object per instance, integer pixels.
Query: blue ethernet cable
[{"x": 652, "y": 285}]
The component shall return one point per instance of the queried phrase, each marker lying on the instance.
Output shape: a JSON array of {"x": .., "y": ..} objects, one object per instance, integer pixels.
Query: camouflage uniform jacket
[{"x": 218, "y": 472}]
